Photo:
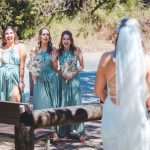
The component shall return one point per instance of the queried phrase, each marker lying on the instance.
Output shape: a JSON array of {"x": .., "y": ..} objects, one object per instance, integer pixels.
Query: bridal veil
[{"x": 132, "y": 121}]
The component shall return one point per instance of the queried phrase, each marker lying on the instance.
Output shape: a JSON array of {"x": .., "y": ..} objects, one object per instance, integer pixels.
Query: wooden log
[
  {"x": 24, "y": 138},
  {"x": 59, "y": 116}
]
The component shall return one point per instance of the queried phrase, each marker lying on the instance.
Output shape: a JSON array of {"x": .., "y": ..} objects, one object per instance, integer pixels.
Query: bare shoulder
[
  {"x": 78, "y": 49},
  {"x": 106, "y": 57},
  {"x": 20, "y": 46},
  {"x": 78, "y": 52}
]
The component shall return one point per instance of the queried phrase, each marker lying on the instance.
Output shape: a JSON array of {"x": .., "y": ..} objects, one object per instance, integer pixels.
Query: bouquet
[
  {"x": 68, "y": 67},
  {"x": 34, "y": 65}
]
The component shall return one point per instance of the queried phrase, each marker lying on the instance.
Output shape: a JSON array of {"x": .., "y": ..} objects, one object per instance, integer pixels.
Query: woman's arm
[
  {"x": 81, "y": 62},
  {"x": 148, "y": 80},
  {"x": 53, "y": 57},
  {"x": 101, "y": 82},
  {"x": 22, "y": 53},
  {"x": 0, "y": 56}
]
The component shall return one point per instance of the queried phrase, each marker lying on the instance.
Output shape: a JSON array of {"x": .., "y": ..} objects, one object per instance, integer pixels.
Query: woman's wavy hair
[
  {"x": 3, "y": 34},
  {"x": 72, "y": 46},
  {"x": 49, "y": 45}
]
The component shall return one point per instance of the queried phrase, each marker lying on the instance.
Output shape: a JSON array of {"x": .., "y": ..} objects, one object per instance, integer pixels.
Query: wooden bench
[
  {"x": 28, "y": 127},
  {"x": 11, "y": 127}
]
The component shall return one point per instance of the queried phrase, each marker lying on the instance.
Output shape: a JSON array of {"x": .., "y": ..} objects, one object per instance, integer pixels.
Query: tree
[{"x": 23, "y": 14}]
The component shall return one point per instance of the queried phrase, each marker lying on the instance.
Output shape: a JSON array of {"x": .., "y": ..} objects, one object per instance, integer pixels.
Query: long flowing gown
[
  {"x": 125, "y": 136},
  {"x": 45, "y": 88},
  {"x": 9, "y": 73},
  {"x": 69, "y": 93}
]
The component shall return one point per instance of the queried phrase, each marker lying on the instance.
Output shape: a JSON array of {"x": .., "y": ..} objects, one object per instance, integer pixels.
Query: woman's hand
[
  {"x": 74, "y": 73},
  {"x": 59, "y": 72},
  {"x": 69, "y": 77},
  {"x": 21, "y": 86},
  {"x": 34, "y": 77},
  {"x": 53, "y": 56}
]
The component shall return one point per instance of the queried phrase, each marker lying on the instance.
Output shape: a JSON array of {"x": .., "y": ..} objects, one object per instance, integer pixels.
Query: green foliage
[
  {"x": 82, "y": 16},
  {"x": 23, "y": 14}
]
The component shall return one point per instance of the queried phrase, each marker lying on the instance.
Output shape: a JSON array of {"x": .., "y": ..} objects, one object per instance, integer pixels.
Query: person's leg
[
  {"x": 64, "y": 131},
  {"x": 76, "y": 100},
  {"x": 16, "y": 96},
  {"x": 55, "y": 137},
  {"x": 80, "y": 130},
  {"x": 31, "y": 85}
]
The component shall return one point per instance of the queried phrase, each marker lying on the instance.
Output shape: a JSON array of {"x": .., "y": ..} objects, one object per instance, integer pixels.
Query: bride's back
[{"x": 109, "y": 68}]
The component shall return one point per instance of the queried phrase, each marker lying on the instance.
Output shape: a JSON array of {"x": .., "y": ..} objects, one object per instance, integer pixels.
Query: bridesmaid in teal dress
[
  {"x": 45, "y": 87},
  {"x": 12, "y": 60},
  {"x": 69, "y": 82}
]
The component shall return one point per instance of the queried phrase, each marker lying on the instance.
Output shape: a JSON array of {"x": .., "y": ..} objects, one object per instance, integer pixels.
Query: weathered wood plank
[
  {"x": 7, "y": 130},
  {"x": 10, "y": 112},
  {"x": 14, "y": 121},
  {"x": 11, "y": 106}
]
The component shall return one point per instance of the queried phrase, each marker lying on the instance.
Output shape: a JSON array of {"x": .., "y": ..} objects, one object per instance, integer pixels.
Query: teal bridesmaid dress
[
  {"x": 9, "y": 73},
  {"x": 45, "y": 88},
  {"x": 69, "y": 94}
]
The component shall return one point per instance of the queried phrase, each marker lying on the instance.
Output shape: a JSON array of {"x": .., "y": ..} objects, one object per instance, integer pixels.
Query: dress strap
[
  {"x": 112, "y": 76},
  {"x": 112, "y": 88}
]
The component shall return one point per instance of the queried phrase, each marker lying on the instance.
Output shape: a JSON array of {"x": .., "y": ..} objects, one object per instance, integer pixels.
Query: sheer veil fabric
[{"x": 131, "y": 121}]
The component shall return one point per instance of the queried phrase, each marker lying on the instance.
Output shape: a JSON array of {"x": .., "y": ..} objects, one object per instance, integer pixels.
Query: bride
[{"x": 122, "y": 83}]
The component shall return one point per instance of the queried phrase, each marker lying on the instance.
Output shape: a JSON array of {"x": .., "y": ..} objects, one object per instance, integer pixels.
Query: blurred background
[{"x": 92, "y": 22}]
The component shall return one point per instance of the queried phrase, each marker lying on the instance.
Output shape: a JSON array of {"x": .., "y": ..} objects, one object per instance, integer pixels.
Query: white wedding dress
[
  {"x": 109, "y": 130},
  {"x": 125, "y": 136}
]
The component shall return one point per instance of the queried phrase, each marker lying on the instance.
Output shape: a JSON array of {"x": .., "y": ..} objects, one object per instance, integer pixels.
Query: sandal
[
  {"x": 68, "y": 136},
  {"x": 55, "y": 137},
  {"x": 82, "y": 138}
]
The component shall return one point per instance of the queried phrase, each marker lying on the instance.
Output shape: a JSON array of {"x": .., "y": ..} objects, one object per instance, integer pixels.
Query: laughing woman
[
  {"x": 12, "y": 60},
  {"x": 69, "y": 81},
  {"x": 45, "y": 88}
]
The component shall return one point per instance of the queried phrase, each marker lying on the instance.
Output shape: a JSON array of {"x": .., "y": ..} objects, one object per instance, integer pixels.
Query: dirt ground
[{"x": 93, "y": 141}]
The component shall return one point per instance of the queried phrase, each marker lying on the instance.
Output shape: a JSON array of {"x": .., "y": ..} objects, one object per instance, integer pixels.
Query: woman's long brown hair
[
  {"x": 49, "y": 46},
  {"x": 72, "y": 46},
  {"x": 3, "y": 35}
]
